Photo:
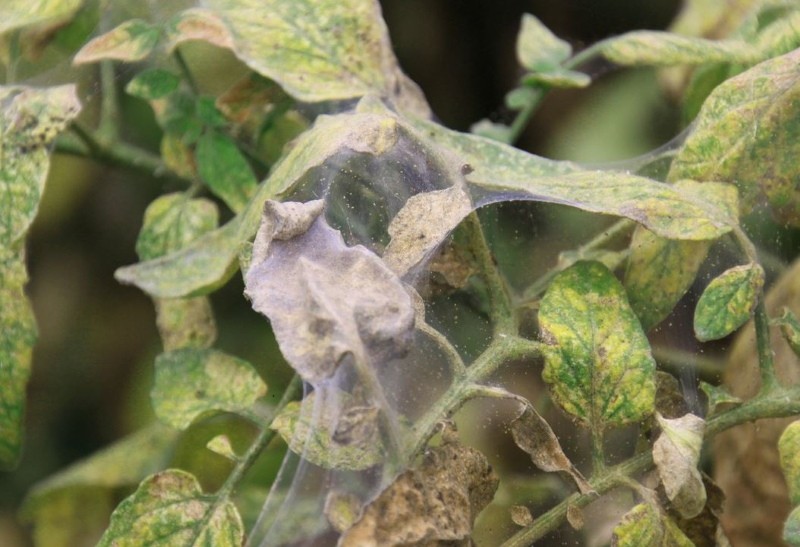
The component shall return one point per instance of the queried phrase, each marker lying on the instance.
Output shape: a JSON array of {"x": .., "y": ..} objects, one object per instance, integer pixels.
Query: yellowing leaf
[
  {"x": 790, "y": 328},
  {"x": 191, "y": 383},
  {"x": 170, "y": 509},
  {"x": 15, "y": 14},
  {"x": 653, "y": 48},
  {"x": 131, "y": 41},
  {"x": 676, "y": 454},
  {"x": 728, "y": 301},
  {"x": 538, "y": 49},
  {"x": 747, "y": 132},
  {"x": 647, "y": 525},
  {"x": 597, "y": 359},
  {"x": 789, "y": 449},
  {"x": 197, "y": 24}
]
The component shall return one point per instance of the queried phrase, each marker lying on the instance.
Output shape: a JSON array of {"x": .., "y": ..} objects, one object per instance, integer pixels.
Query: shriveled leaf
[
  {"x": 172, "y": 221},
  {"x": 348, "y": 439},
  {"x": 439, "y": 501},
  {"x": 718, "y": 397},
  {"x": 789, "y": 449},
  {"x": 670, "y": 401},
  {"x": 342, "y": 510},
  {"x": 131, "y": 41},
  {"x": 747, "y": 131},
  {"x": 538, "y": 49},
  {"x": 325, "y": 300},
  {"x": 170, "y": 509},
  {"x": 575, "y": 517},
  {"x": 31, "y": 119},
  {"x": 193, "y": 382},
  {"x": 197, "y": 24},
  {"x": 728, "y": 301},
  {"x": 16, "y": 14},
  {"x": 705, "y": 530},
  {"x": 319, "y": 50},
  {"x": 647, "y": 525},
  {"x": 597, "y": 359},
  {"x": 521, "y": 515},
  {"x": 225, "y": 170},
  {"x": 153, "y": 83},
  {"x": 790, "y": 328},
  {"x": 18, "y": 326},
  {"x": 533, "y": 434},
  {"x": 654, "y": 48},
  {"x": 791, "y": 530},
  {"x": 676, "y": 454}
]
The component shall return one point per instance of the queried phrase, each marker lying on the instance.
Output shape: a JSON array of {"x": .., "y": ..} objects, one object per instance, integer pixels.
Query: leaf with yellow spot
[
  {"x": 597, "y": 359},
  {"x": 728, "y": 301},
  {"x": 131, "y": 41},
  {"x": 648, "y": 525},
  {"x": 170, "y": 510}
]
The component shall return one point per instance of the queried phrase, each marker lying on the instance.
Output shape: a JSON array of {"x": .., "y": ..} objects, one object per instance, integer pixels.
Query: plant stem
[
  {"x": 108, "y": 128},
  {"x": 776, "y": 404},
  {"x": 523, "y": 117},
  {"x": 766, "y": 363},
  {"x": 183, "y": 66},
  {"x": 457, "y": 367}
]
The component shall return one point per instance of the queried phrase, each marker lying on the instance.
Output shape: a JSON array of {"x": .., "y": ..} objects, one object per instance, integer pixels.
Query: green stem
[
  {"x": 110, "y": 119},
  {"x": 598, "y": 452},
  {"x": 766, "y": 363},
  {"x": 524, "y": 116},
  {"x": 457, "y": 367},
  {"x": 183, "y": 66},
  {"x": 776, "y": 404}
]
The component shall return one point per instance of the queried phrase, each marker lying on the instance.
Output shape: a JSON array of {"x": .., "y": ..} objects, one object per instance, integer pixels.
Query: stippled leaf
[
  {"x": 597, "y": 359},
  {"x": 30, "y": 120},
  {"x": 781, "y": 36},
  {"x": 18, "y": 327},
  {"x": 193, "y": 382},
  {"x": 648, "y": 525},
  {"x": 676, "y": 454},
  {"x": 661, "y": 270},
  {"x": 153, "y": 83},
  {"x": 197, "y": 24},
  {"x": 439, "y": 501},
  {"x": 16, "y": 14},
  {"x": 791, "y": 530},
  {"x": 170, "y": 509},
  {"x": 790, "y": 328},
  {"x": 728, "y": 301},
  {"x": 789, "y": 449},
  {"x": 325, "y": 300},
  {"x": 172, "y": 221},
  {"x": 653, "y": 48},
  {"x": 718, "y": 397},
  {"x": 131, "y": 41},
  {"x": 538, "y": 49},
  {"x": 320, "y": 50},
  {"x": 185, "y": 322},
  {"x": 325, "y": 438},
  {"x": 747, "y": 132},
  {"x": 225, "y": 170},
  {"x": 533, "y": 434}
]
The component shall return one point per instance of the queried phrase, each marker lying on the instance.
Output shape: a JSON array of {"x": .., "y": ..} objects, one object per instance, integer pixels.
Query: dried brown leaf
[
  {"x": 521, "y": 515},
  {"x": 676, "y": 453}
]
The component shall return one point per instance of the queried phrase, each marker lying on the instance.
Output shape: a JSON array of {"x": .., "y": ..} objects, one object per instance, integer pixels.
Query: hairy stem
[
  {"x": 110, "y": 120},
  {"x": 775, "y": 404}
]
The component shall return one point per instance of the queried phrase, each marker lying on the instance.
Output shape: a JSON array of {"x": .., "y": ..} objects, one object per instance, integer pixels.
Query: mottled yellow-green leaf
[
  {"x": 597, "y": 359},
  {"x": 728, "y": 301},
  {"x": 170, "y": 510},
  {"x": 197, "y": 24},
  {"x": 18, "y": 328},
  {"x": 193, "y": 382},
  {"x": 718, "y": 397},
  {"x": 315, "y": 430},
  {"x": 185, "y": 322},
  {"x": 646, "y": 525},
  {"x": 319, "y": 50},
  {"x": 30, "y": 120},
  {"x": 15, "y": 14},
  {"x": 177, "y": 156},
  {"x": 789, "y": 449},
  {"x": 791, "y": 530},
  {"x": 172, "y": 221},
  {"x": 654, "y": 48},
  {"x": 748, "y": 132},
  {"x": 225, "y": 170},
  {"x": 676, "y": 454},
  {"x": 661, "y": 270},
  {"x": 712, "y": 18},
  {"x": 790, "y": 328},
  {"x": 538, "y": 49},
  {"x": 131, "y": 41},
  {"x": 153, "y": 83}
]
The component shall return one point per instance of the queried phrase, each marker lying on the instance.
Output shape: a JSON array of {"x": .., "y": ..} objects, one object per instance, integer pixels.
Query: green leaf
[
  {"x": 790, "y": 328},
  {"x": 647, "y": 525},
  {"x": 676, "y": 454},
  {"x": 597, "y": 359},
  {"x": 225, "y": 170},
  {"x": 208, "y": 113},
  {"x": 319, "y": 50},
  {"x": 18, "y": 326},
  {"x": 654, "y": 48},
  {"x": 789, "y": 450},
  {"x": 153, "y": 83},
  {"x": 131, "y": 41},
  {"x": 30, "y": 121},
  {"x": 169, "y": 509},
  {"x": 718, "y": 397},
  {"x": 748, "y": 132},
  {"x": 728, "y": 301},
  {"x": 791, "y": 530},
  {"x": 193, "y": 382},
  {"x": 172, "y": 221},
  {"x": 16, "y": 14},
  {"x": 538, "y": 49},
  {"x": 316, "y": 429}
]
